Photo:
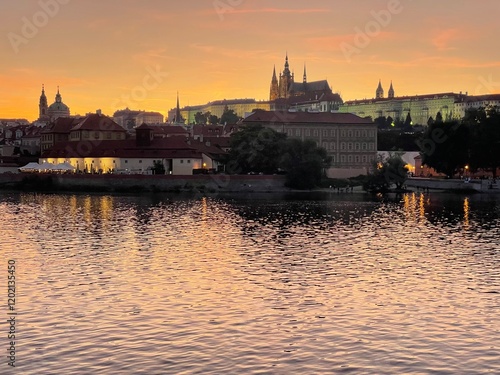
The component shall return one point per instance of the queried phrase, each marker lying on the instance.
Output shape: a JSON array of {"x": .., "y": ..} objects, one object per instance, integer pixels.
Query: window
[
  {"x": 342, "y": 158},
  {"x": 189, "y": 161},
  {"x": 332, "y": 132},
  {"x": 325, "y": 145},
  {"x": 363, "y": 146},
  {"x": 356, "y": 159},
  {"x": 182, "y": 161},
  {"x": 308, "y": 132},
  {"x": 350, "y": 146},
  {"x": 108, "y": 135},
  {"x": 332, "y": 145},
  {"x": 126, "y": 161},
  {"x": 325, "y": 133},
  {"x": 357, "y": 133},
  {"x": 342, "y": 146},
  {"x": 356, "y": 146},
  {"x": 349, "y": 158},
  {"x": 364, "y": 158},
  {"x": 316, "y": 132},
  {"x": 349, "y": 134},
  {"x": 140, "y": 161},
  {"x": 297, "y": 132}
]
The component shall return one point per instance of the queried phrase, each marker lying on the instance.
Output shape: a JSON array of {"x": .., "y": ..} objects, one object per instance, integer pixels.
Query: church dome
[{"x": 58, "y": 108}]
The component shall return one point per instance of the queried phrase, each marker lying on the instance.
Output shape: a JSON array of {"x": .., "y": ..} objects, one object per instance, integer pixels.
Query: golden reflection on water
[
  {"x": 466, "y": 213},
  {"x": 118, "y": 277}
]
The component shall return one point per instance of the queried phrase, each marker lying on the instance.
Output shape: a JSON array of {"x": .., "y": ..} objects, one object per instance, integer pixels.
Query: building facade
[
  {"x": 420, "y": 107},
  {"x": 351, "y": 141}
]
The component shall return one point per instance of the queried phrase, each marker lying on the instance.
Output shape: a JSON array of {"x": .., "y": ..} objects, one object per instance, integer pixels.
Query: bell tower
[
  {"x": 43, "y": 108},
  {"x": 379, "y": 94}
]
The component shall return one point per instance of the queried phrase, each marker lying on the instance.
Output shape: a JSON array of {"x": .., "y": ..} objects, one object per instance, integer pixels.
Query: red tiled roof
[
  {"x": 96, "y": 122},
  {"x": 283, "y": 117},
  {"x": 159, "y": 148}
]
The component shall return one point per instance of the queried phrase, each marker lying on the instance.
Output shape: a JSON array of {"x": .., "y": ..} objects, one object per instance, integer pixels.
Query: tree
[
  {"x": 445, "y": 146},
  {"x": 255, "y": 148},
  {"x": 304, "y": 162},
  {"x": 213, "y": 119},
  {"x": 229, "y": 117},
  {"x": 386, "y": 173},
  {"x": 439, "y": 118},
  {"x": 381, "y": 122},
  {"x": 485, "y": 133},
  {"x": 158, "y": 167},
  {"x": 200, "y": 118}
]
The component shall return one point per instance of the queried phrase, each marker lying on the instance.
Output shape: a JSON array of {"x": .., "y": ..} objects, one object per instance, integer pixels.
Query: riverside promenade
[{"x": 472, "y": 185}]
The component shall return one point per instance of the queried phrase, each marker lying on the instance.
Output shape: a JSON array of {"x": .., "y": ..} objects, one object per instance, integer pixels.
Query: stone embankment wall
[
  {"x": 208, "y": 183},
  {"x": 484, "y": 186}
]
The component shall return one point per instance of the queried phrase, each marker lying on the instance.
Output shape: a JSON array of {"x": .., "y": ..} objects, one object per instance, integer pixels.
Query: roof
[
  {"x": 283, "y": 117},
  {"x": 314, "y": 97},
  {"x": 62, "y": 125},
  {"x": 172, "y": 147},
  {"x": 414, "y": 97},
  {"x": 97, "y": 122},
  {"x": 311, "y": 86}
]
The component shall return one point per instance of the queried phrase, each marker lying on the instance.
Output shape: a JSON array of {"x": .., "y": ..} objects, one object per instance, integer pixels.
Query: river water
[{"x": 256, "y": 284}]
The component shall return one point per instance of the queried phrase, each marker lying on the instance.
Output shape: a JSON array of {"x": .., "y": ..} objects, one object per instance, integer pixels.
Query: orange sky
[{"x": 112, "y": 54}]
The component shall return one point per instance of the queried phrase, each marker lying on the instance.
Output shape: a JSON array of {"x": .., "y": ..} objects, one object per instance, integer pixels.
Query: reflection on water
[{"x": 255, "y": 284}]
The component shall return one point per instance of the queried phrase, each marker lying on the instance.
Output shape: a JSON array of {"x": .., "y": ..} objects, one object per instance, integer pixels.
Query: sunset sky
[{"x": 112, "y": 54}]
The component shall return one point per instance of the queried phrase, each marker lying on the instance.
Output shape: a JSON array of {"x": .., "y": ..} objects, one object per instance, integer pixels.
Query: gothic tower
[
  {"x": 274, "y": 93},
  {"x": 178, "y": 117},
  {"x": 304, "y": 79},
  {"x": 43, "y": 107},
  {"x": 379, "y": 94},
  {"x": 286, "y": 80},
  {"x": 390, "y": 93}
]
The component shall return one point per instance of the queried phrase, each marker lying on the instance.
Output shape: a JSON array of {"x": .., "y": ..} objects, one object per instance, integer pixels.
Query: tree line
[
  {"x": 256, "y": 149},
  {"x": 474, "y": 141}
]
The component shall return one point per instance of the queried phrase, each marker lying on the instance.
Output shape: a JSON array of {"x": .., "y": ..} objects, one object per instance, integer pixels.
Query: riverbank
[
  {"x": 453, "y": 185},
  {"x": 142, "y": 183}
]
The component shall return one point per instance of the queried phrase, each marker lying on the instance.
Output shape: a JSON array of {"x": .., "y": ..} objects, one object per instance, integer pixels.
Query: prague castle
[
  {"x": 420, "y": 107},
  {"x": 286, "y": 87}
]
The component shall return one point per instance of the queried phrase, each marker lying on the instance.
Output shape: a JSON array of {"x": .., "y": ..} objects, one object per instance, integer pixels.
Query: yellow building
[{"x": 420, "y": 107}]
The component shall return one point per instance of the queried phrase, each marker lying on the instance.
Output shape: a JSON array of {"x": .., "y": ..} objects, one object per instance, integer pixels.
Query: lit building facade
[{"x": 420, "y": 107}]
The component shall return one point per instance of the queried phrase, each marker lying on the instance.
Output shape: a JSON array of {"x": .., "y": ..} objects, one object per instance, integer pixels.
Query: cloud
[
  {"x": 278, "y": 10},
  {"x": 444, "y": 38}
]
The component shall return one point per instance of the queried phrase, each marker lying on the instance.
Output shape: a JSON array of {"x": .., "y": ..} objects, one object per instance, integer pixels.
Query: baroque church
[
  {"x": 57, "y": 109},
  {"x": 285, "y": 87}
]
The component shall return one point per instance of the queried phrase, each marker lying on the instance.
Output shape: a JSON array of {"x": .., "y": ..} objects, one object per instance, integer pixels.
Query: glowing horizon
[{"x": 116, "y": 54}]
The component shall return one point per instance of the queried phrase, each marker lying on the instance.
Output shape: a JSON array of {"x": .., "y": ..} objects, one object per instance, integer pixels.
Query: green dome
[{"x": 58, "y": 106}]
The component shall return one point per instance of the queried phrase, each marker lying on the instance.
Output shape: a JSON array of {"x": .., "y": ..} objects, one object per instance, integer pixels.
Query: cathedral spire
[
  {"x": 178, "y": 116},
  {"x": 305, "y": 75},
  {"x": 379, "y": 94},
  {"x": 390, "y": 93}
]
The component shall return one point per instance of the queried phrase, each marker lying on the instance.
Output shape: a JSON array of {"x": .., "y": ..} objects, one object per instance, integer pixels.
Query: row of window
[
  {"x": 349, "y": 146},
  {"x": 330, "y": 133},
  {"x": 349, "y": 159}
]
